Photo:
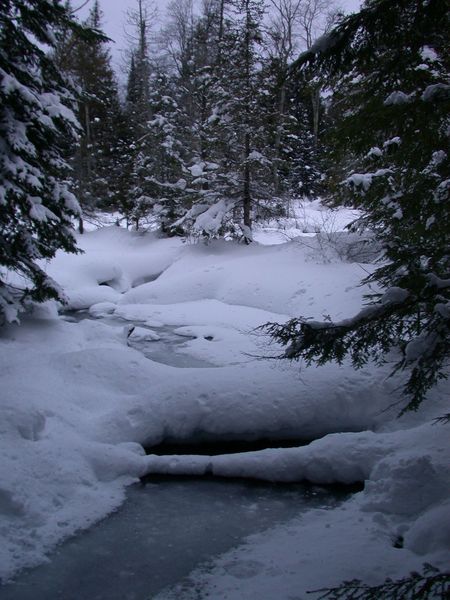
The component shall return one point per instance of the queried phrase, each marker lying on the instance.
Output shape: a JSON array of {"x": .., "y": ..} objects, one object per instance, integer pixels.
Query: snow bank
[
  {"x": 387, "y": 530},
  {"x": 389, "y": 460},
  {"x": 79, "y": 399},
  {"x": 54, "y": 477},
  {"x": 321, "y": 549},
  {"x": 71, "y": 427},
  {"x": 114, "y": 261},
  {"x": 306, "y": 218},
  {"x": 280, "y": 279}
]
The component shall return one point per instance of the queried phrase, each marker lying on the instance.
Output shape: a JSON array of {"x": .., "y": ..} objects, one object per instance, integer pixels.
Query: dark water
[{"x": 164, "y": 530}]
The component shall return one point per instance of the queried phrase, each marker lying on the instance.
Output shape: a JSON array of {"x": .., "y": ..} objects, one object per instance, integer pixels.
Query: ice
[
  {"x": 143, "y": 334},
  {"x": 158, "y": 537}
]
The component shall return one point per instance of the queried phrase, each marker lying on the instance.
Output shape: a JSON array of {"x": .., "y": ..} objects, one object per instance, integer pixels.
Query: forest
[{"x": 240, "y": 238}]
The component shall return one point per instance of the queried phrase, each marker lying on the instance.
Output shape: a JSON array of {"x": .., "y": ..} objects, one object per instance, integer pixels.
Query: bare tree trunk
[
  {"x": 88, "y": 135},
  {"x": 280, "y": 116},
  {"x": 221, "y": 17},
  {"x": 315, "y": 100},
  {"x": 247, "y": 200}
]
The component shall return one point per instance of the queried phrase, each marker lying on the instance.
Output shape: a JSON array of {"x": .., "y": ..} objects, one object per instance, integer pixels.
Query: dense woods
[
  {"x": 221, "y": 125},
  {"x": 211, "y": 134}
]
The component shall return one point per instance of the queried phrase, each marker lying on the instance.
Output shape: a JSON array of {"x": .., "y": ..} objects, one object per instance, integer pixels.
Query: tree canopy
[
  {"x": 36, "y": 120},
  {"x": 388, "y": 69}
]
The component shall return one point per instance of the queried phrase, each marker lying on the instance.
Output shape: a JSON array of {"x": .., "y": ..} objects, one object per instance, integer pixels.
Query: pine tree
[
  {"x": 301, "y": 168},
  {"x": 202, "y": 207},
  {"x": 390, "y": 63},
  {"x": 36, "y": 116},
  {"x": 292, "y": 149},
  {"x": 135, "y": 142},
  {"x": 138, "y": 84},
  {"x": 89, "y": 63},
  {"x": 159, "y": 177},
  {"x": 239, "y": 103},
  {"x": 231, "y": 163}
]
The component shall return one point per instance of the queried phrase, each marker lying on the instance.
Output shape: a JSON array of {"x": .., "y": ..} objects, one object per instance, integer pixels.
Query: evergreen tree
[
  {"x": 429, "y": 585},
  {"x": 135, "y": 141},
  {"x": 204, "y": 207},
  {"x": 36, "y": 115},
  {"x": 241, "y": 124},
  {"x": 301, "y": 154},
  {"x": 138, "y": 84},
  {"x": 159, "y": 176},
  {"x": 390, "y": 63},
  {"x": 291, "y": 145},
  {"x": 95, "y": 180},
  {"x": 230, "y": 163}
]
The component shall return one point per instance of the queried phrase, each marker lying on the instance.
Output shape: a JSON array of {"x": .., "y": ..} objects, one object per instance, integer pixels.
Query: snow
[
  {"x": 142, "y": 334},
  {"x": 211, "y": 220},
  {"x": 288, "y": 561},
  {"x": 365, "y": 180},
  {"x": 428, "y": 53},
  {"x": 398, "y": 97},
  {"x": 197, "y": 169},
  {"x": 375, "y": 151},
  {"x": 395, "y": 141},
  {"x": 105, "y": 262},
  {"x": 355, "y": 540},
  {"x": 79, "y": 399}
]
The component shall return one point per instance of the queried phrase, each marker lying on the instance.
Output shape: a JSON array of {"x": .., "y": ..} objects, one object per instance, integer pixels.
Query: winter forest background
[
  {"x": 200, "y": 92},
  {"x": 233, "y": 114}
]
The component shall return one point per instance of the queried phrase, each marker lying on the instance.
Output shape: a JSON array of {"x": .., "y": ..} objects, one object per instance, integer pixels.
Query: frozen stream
[
  {"x": 162, "y": 350},
  {"x": 164, "y": 530},
  {"x": 167, "y": 527}
]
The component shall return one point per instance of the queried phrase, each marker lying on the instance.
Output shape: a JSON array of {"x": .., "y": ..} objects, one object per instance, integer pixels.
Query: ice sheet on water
[{"x": 162, "y": 532}]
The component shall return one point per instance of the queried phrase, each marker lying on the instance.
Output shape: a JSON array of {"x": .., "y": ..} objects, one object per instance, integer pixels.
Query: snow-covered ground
[{"x": 79, "y": 399}]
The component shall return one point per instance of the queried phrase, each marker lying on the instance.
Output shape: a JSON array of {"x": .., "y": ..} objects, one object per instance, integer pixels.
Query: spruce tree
[
  {"x": 290, "y": 141},
  {"x": 36, "y": 104},
  {"x": 390, "y": 64},
  {"x": 159, "y": 164},
  {"x": 88, "y": 62},
  {"x": 429, "y": 585},
  {"x": 231, "y": 163},
  {"x": 135, "y": 142},
  {"x": 241, "y": 124},
  {"x": 203, "y": 205}
]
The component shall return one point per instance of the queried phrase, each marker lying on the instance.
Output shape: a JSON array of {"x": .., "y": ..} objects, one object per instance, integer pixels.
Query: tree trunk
[
  {"x": 247, "y": 201},
  {"x": 221, "y": 16},
  {"x": 277, "y": 148},
  {"x": 315, "y": 100}
]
